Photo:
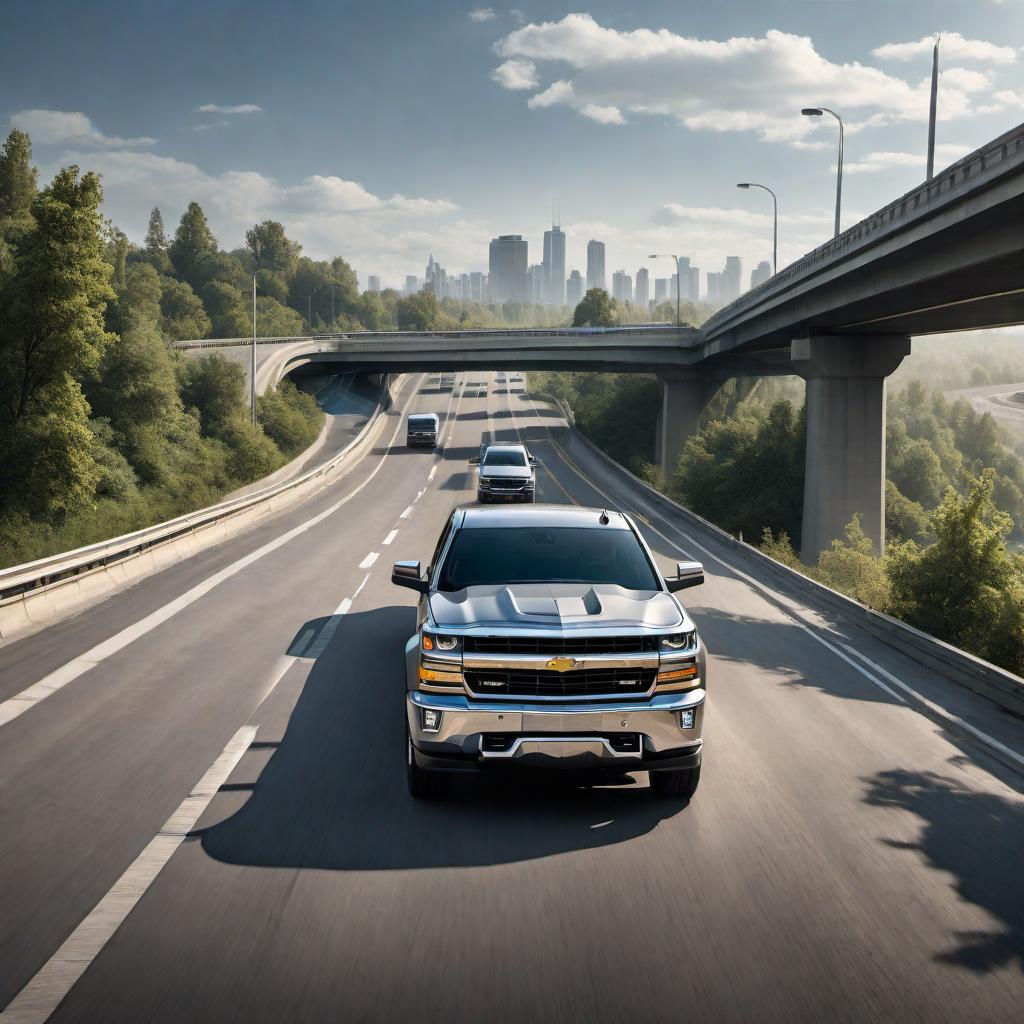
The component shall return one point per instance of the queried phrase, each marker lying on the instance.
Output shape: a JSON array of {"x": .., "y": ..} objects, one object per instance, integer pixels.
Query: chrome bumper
[{"x": 560, "y": 734}]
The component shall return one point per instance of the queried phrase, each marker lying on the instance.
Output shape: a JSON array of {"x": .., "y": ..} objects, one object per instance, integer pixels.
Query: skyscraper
[
  {"x": 760, "y": 274},
  {"x": 731, "y": 279},
  {"x": 412, "y": 284},
  {"x": 693, "y": 292},
  {"x": 643, "y": 287},
  {"x": 554, "y": 266},
  {"x": 436, "y": 279},
  {"x": 660, "y": 290},
  {"x": 684, "y": 277},
  {"x": 373, "y": 283},
  {"x": 574, "y": 289},
  {"x": 508, "y": 258},
  {"x": 476, "y": 286},
  {"x": 595, "y": 264},
  {"x": 622, "y": 286},
  {"x": 464, "y": 287},
  {"x": 535, "y": 283},
  {"x": 714, "y": 286}
]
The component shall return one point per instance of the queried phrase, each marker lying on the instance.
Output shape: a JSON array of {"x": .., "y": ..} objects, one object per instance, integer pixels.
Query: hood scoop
[{"x": 540, "y": 605}]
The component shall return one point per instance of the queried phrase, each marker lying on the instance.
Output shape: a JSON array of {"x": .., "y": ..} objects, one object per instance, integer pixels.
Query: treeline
[
  {"x": 954, "y": 496},
  {"x": 103, "y": 427}
]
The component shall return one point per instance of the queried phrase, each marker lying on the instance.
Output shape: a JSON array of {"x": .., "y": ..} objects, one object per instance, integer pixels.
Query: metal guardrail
[
  {"x": 981, "y": 167},
  {"x": 30, "y": 577}
]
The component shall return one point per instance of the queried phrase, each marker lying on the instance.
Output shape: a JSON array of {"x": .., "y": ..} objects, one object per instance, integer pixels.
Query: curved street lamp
[
  {"x": 817, "y": 112},
  {"x": 775, "y": 220},
  {"x": 679, "y": 283}
]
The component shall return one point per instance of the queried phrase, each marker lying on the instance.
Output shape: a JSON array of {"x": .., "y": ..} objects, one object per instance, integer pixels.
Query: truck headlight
[
  {"x": 439, "y": 642},
  {"x": 680, "y": 641}
]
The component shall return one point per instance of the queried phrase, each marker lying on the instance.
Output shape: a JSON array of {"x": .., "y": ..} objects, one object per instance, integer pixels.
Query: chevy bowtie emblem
[{"x": 561, "y": 664}]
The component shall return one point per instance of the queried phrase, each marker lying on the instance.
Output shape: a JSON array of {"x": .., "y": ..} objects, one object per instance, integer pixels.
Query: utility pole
[
  {"x": 932, "y": 107},
  {"x": 332, "y": 304},
  {"x": 252, "y": 366}
]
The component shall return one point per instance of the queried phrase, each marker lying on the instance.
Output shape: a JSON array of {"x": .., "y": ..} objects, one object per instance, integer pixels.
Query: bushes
[{"x": 290, "y": 418}]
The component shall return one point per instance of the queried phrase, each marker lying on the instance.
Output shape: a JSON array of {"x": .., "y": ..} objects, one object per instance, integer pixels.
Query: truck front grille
[
  {"x": 505, "y": 483},
  {"x": 559, "y": 646},
  {"x": 552, "y": 685}
]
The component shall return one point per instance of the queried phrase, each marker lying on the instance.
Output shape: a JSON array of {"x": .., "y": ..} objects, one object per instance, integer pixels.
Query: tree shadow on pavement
[
  {"x": 977, "y": 837},
  {"x": 333, "y": 794}
]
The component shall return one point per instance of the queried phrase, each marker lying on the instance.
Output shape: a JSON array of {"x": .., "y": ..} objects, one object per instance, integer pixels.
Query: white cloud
[
  {"x": 516, "y": 74},
  {"x": 66, "y": 127},
  {"x": 209, "y": 125},
  {"x": 741, "y": 84},
  {"x": 945, "y": 153},
  {"x": 952, "y": 46},
  {"x": 240, "y": 108},
  {"x": 482, "y": 14},
  {"x": 328, "y": 214},
  {"x": 602, "y": 115}
]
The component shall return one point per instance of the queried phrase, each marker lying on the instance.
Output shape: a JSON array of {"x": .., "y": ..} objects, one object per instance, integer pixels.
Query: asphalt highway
[{"x": 210, "y": 822}]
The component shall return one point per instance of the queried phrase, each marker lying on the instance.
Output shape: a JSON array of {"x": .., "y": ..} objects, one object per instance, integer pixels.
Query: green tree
[
  {"x": 141, "y": 296},
  {"x": 918, "y": 473},
  {"x": 904, "y": 519},
  {"x": 419, "y": 312},
  {"x": 966, "y": 588},
  {"x": 595, "y": 310},
  {"x": 227, "y": 310},
  {"x": 193, "y": 245},
  {"x": 849, "y": 567},
  {"x": 182, "y": 316},
  {"x": 271, "y": 248},
  {"x": 17, "y": 183},
  {"x": 274, "y": 320},
  {"x": 372, "y": 313},
  {"x": 156, "y": 237},
  {"x": 271, "y": 284},
  {"x": 116, "y": 247},
  {"x": 289, "y": 417},
  {"x": 51, "y": 308},
  {"x": 216, "y": 387}
]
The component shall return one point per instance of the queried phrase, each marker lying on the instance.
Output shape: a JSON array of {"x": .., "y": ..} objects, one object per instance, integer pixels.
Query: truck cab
[{"x": 507, "y": 473}]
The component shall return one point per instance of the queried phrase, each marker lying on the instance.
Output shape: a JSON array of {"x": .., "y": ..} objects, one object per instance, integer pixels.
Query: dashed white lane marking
[
  {"x": 406, "y": 513},
  {"x": 390, "y": 537},
  {"x": 934, "y": 708},
  {"x": 359, "y": 589},
  {"x": 41, "y": 996},
  {"x": 419, "y": 494},
  {"x": 369, "y": 560},
  {"x": 431, "y": 474},
  {"x": 56, "y": 680}
]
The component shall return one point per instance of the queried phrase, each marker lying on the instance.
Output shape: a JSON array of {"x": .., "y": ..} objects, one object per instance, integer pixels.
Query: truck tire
[
  {"x": 422, "y": 785},
  {"x": 679, "y": 784}
]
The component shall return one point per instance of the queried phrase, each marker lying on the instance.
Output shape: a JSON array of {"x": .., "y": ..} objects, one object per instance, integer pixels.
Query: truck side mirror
[
  {"x": 474, "y": 460},
  {"x": 688, "y": 574},
  {"x": 533, "y": 460},
  {"x": 409, "y": 574}
]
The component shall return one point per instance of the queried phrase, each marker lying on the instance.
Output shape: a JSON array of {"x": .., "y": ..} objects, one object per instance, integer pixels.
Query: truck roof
[{"x": 475, "y": 517}]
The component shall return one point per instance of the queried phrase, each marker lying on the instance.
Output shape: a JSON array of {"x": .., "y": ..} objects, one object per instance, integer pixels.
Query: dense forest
[
  {"x": 954, "y": 490},
  {"x": 104, "y": 428}
]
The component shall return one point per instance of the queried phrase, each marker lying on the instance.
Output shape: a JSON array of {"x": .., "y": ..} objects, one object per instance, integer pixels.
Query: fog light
[
  {"x": 686, "y": 719},
  {"x": 432, "y": 719}
]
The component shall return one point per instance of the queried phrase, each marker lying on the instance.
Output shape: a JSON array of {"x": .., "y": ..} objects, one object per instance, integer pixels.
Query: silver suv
[
  {"x": 507, "y": 473},
  {"x": 547, "y": 637}
]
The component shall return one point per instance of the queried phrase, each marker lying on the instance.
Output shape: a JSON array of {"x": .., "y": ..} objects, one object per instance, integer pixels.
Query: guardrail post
[{"x": 845, "y": 461}]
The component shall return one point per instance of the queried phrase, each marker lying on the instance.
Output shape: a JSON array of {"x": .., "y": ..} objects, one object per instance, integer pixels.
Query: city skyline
[{"x": 260, "y": 148}]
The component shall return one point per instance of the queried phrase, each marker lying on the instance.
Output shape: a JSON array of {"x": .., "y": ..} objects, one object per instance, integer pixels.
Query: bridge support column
[
  {"x": 845, "y": 462},
  {"x": 683, "y": 398}
]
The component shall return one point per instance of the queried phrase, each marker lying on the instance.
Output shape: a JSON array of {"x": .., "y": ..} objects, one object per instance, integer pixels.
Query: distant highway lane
[{"x": 210, "y": 822}]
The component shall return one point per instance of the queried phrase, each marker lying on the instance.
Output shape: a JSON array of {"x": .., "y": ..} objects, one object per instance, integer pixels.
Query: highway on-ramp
[{"x": 210, "y": 821}]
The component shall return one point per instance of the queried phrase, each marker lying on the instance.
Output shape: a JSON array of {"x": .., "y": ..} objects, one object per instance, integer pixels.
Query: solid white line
[
  {"x": 55, "y": 979},
  {"x": 56, "y": 680},
  {"x": 406, "y": 513},
  {"x": 369, "y": 560},
  {"x": 390, "y": 537},
  {"x": 940, "y": 711}
]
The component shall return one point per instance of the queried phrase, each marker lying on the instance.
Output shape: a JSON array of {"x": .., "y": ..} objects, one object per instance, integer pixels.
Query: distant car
[
  {"x": 422, "y": 429},
  {"x": 507, "y": 473}
]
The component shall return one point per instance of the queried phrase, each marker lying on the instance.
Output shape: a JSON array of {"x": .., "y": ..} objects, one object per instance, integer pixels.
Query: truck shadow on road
[
  {"x": 978, "y": 838},
  {"x": 333, "y": 793}
]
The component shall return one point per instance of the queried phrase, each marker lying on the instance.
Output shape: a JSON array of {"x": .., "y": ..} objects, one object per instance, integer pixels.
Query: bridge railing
[
  {"x": 667, "y": 330},
  {"x": 983, "y": 166}
]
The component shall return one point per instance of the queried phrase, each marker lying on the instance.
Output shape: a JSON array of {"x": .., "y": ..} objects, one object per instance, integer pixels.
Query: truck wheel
[
  {"x": 680, "y": 784},
  {"x": 422, "y": 785}
]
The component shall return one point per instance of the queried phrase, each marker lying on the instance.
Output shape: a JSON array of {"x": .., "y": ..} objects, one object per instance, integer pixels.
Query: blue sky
[{"x": 386, "y": 132}]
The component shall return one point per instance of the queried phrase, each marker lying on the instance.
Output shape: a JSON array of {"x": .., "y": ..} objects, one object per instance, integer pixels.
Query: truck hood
[
  {"x": 557, "y": 606},
  {"x": 519, "y": 472}
]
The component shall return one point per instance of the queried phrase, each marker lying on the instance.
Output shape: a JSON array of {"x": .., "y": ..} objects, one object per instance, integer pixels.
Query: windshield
[
  {"x": 505, "y": 459},
  {"x": 542, "y": 554},
  {"x": 422, "y": 422}
]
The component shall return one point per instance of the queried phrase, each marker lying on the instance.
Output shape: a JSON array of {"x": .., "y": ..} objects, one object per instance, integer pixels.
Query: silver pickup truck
[{"x": 547, "y": 637}]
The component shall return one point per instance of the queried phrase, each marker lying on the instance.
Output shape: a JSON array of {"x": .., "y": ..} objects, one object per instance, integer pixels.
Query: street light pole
[
  {"x": 252, "y": 367},
  {"x": 817, "y": 112},
  {"x": 679, "y": 282},
  {"x": 775, "y": 220}
]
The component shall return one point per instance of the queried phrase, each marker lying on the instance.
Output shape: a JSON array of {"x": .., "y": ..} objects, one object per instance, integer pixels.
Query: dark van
[{"x": 422, "y": 430}]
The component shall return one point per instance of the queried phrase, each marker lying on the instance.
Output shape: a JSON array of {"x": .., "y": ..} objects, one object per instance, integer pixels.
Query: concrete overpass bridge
[{"x": 947, "y": 256}]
